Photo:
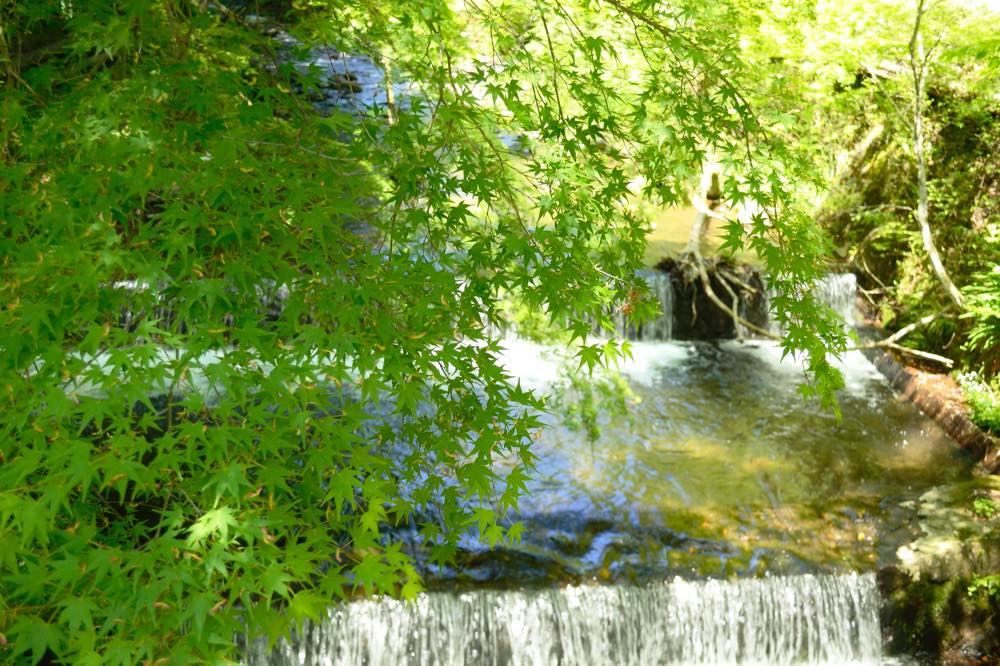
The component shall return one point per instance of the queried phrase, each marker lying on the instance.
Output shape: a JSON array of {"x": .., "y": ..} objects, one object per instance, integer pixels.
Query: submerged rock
[
  {"x": 928, "y": 606},
  {"x": 344, "y": 83}
]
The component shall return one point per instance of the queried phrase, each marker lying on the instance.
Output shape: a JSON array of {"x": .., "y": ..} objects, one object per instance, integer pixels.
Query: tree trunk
[
  {"x": 918, "y": 63},
  {"x": 710, "y": 194}
]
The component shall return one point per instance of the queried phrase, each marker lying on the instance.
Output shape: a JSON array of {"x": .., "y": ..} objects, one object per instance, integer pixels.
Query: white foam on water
[{"x": 782, "y": 620}]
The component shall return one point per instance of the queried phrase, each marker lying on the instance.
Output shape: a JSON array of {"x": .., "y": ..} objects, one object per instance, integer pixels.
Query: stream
[
  {"x": 721, "y": 469},
  {"x": 723, "y": 520}
]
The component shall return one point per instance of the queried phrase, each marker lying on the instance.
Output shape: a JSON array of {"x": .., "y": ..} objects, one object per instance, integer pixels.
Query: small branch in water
[
  {"x": 892, "y": 342},
  {"x": 700, "y": 227},
  {"x": 909, "y": 328},
  {"x": 947, "y": 362}
]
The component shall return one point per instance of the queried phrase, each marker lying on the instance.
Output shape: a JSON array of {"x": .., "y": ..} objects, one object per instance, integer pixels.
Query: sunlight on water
[{"x": 720, "y": 467}]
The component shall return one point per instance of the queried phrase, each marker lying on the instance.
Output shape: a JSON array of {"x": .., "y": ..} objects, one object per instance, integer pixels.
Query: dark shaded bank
[{"x": 937, "y": 620}]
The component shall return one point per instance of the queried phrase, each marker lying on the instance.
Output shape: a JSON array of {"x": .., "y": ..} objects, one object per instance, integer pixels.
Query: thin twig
[
  {"x": 947, "y": 362},
  {"x": 555, "y": 65},
  {"x": 903, "y": 332},
  {"x": 892, "y": 342}
]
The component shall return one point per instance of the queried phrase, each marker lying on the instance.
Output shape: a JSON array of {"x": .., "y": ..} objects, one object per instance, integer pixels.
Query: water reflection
[{"x": 723, "y": 469}]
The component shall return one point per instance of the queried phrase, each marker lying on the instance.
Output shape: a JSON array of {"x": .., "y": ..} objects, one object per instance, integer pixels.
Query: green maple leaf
[
  {"x": 78, "y": 613},
  {"x": 215, "y": 521},
  {"x": 30, "y": 634},
  {"x": 306, "y": 604}
]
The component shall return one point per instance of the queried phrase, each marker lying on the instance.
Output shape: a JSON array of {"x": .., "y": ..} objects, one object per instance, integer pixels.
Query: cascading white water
[
  {"x": 658, "y": 329},
  {"x": 835, "y": 290},
  {"x": 838, "y": 290},
  {"x": 783, "y": 620}
]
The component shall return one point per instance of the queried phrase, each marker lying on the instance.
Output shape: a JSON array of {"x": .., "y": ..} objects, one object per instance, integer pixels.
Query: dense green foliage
[
  {"x": 984, "y": 404},
  {"x": 248, "y": 345},
  {"x": 863, "y": 96},
  {"x": 851, "y": 68},
  {"x": 244, "y": 341}
]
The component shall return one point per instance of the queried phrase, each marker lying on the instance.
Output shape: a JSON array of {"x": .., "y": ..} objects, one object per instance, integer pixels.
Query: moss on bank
[{"x": 939, "y": 620}]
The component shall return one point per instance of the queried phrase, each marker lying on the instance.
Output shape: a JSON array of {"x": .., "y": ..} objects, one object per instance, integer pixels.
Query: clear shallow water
[
  {"x": 722, "y": 469},
  {"x": 731, "y": 515}
]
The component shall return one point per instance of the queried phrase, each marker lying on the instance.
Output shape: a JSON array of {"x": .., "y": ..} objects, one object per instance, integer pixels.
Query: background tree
[
  {"x": 854, "y": 77},
  {"x": 847, "y": 68},
  {"x": 919, "y": 61}
]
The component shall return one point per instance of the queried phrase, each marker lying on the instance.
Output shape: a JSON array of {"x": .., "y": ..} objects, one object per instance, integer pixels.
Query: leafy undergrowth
[{"x": 983, "y": 398}]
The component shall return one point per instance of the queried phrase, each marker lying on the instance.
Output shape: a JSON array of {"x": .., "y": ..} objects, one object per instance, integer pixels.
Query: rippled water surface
[{"x": 722, "y": 468}]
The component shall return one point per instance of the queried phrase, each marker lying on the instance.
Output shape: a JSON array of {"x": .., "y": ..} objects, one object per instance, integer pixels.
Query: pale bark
[
  {"x": 390, "y": 96},
  {"x": 698, "y": 230},
  {"x": 705, "y": 201},
  {"x": 892, "y": 342},
  {"x": 918, "y": 65}
]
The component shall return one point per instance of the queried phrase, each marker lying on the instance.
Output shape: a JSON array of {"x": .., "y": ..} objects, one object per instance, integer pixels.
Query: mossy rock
[{"x": 939, "y": 622}]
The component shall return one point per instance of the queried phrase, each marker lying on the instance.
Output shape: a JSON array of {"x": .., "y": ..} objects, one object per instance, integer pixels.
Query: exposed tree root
[
  {"x": 692, "y": 256},
  {"x": 693, "y": 262}
]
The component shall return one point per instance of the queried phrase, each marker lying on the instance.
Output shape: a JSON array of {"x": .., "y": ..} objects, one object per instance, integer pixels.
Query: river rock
[
  {"x": 346, "y": 84},
  {"x": 927, "y": 606}
]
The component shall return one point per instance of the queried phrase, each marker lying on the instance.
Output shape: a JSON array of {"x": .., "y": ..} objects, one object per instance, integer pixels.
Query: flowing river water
[
  {"x": 784, "y": 620},
  {"x": 723, "y": 520}
]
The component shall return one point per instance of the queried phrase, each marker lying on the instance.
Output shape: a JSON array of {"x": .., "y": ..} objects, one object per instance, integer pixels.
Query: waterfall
[
  {"x": 808, "y": 619},
  {"x": 835, "y": 290},
  {"x": 658, "y": 329},
  {"x": 838, "y": 290}
]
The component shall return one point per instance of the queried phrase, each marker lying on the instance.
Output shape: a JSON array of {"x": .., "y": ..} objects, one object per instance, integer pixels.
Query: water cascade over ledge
[
  {"x": 661, "y": 328},
  {"x": 807, "y": 619},
  {"x": 836, "y": 290}
]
